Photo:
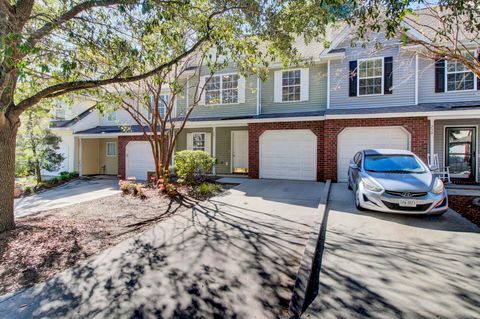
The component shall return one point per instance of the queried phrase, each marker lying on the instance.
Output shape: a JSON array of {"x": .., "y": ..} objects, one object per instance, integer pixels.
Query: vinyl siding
[
  {"x": 221, "y": 110},
  {"x": 439, "y": 136},
  {"x": 403, "y": 79},
  {"x": 317, "y": 100},
  {"x": 426, "y": 91},
  {"x": 223, "y": 145},
  {"x": 110, "y": 162}
]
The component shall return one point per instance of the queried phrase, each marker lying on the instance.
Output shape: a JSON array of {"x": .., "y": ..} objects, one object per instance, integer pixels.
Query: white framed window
[
  {"x": 112, "y": 116},
  {"x": 291, "y": 85},
  {"x": 458, "y": 77},
  {"x": 199, "y": 141},
  {"x": 222, "y": 89},
  {"x": 111, "y": 149},
  {"x": 60, "y": 113},
  {"x": 162, "y": 105},
  {"x": 370, "y": 77}
]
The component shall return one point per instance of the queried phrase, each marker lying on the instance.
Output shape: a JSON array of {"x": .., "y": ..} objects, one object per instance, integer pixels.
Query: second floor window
[
  {"x": 162, "y": 105},
  {"x": 60, "y": 113},
  {"x": 112, "y": 116},
  {"x": 222, "y": 89},
  {"x": 370, "y": 77},
  {"x": 291, "y": 81},
  {"x": 459, "y": 77}
]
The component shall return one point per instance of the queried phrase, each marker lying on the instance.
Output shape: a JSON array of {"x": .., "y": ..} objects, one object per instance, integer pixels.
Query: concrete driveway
[
  {"x": 77, "y": 191},
  {"x": 394, "y": 266},
  {"x": 235, "y": 256}
]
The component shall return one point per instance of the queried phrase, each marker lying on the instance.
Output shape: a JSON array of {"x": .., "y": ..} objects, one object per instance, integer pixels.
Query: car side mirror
[{"x": 353, "y": 166}]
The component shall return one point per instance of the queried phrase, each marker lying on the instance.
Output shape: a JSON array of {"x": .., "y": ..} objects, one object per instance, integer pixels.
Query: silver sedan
[{"x": 395, "y": 181}]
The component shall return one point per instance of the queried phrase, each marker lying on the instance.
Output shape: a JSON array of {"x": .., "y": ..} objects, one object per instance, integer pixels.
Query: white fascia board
[
  {"x": 332, "y": 56},
  {"x": 436, "y": 115},
  {"x": 414, "y": 33},
  {"x": 340, "y": 37}
]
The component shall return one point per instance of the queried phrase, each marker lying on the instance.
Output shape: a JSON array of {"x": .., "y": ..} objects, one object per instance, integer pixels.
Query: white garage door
[
  {"x": 354, "y": 139},
  {"x": 288, "y": 154},
  {"x": 139, "y": 160}
]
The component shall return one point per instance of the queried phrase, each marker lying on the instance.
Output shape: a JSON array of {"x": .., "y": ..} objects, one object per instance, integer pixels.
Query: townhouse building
[{"x": 304, "y": 122}]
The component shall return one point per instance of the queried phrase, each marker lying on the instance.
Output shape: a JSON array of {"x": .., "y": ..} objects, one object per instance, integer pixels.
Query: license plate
[{"x": 407, "y": 202}]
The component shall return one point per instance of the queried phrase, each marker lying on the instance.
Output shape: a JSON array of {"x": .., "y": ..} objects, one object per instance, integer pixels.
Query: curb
[{"x": 308, "y": 263}]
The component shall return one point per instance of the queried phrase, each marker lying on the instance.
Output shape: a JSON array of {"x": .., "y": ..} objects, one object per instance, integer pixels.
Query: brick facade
[
  {"x": 418, "y": 127},
  {"x": 255, "y": 130},
  {"x": 327, "y": 133},
  {"x": 122, "y": 144}
]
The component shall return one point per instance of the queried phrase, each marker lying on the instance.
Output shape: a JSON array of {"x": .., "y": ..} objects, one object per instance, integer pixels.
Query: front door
[
  {"x": 240, "y": 151},
  {"x": 460, "y": 152}
]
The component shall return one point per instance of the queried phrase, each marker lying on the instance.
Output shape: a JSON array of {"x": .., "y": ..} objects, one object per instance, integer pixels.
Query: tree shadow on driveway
[{"x": 218, "y": 260}]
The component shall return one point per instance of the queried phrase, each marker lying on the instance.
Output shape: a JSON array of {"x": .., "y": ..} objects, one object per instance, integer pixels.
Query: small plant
[
  {"x": 193, "y": 165},
  {"x": 53, "y": 181},
  {"x": 64, "y": 174},
  {"x": 27, "y": 190},
  {"x": 130, "y": 187},
  {"x": 73, "y": 175},
  {"x": 206, "y": 188}
]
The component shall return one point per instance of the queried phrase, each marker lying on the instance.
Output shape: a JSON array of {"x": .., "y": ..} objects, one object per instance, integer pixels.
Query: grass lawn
[{"x": 49, "y": 242}]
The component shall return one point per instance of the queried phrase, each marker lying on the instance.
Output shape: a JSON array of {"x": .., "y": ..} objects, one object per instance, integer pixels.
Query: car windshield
[{"x": 393, "y": 164}]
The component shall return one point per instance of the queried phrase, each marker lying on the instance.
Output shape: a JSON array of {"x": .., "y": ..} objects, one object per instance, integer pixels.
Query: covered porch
[
  {"x": 97, "y": 155},
  {"x": 454, "y": 140}
]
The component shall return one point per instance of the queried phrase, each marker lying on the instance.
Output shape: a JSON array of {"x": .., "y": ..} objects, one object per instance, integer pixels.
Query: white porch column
[
  {"x": 214, "y": 147},
  {"x": 80, "y": 157},
  {"x": 432, "y": 137}
]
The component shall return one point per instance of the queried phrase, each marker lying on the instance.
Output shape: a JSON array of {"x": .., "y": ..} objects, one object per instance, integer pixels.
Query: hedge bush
[{"x": 193, "y": 165}]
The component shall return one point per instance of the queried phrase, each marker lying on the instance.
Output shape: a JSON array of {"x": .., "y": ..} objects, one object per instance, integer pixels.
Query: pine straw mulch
[
  {"x": 463, "y": 205},
  {"x": 49, "y": 242}
]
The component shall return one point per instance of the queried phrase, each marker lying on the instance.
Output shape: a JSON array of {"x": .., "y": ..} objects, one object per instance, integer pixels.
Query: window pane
[
  {"x": 291, "y": 85},
  {"x": 199, "y": 142},
  {"x": 111, "y": 149}
]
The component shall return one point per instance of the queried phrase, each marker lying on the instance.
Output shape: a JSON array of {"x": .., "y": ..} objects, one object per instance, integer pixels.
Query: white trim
[
  {"x": 214, "y": 147},
  {"x": 221, "y": 88},
  {"x": 444, "y": 130},
  {"x": 416, "y": 78},
  {"x": 328, "y": 84},
  {"x": 80, "y": 164},
  {"x": 339, "y": 38},
  {"x": 370, "y": 77},
  {"x": 432, "y": 137},
  {"x": 280, "y": 86},
  {"x": 414, "y": 32},
  {"x": 259, "y": 96},
  {"x": 106, "y": 149},
  {"x": 455, "y": 72}
]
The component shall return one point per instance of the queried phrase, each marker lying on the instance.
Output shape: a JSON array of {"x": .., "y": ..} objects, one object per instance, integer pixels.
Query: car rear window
[{"x": 393, "y": 164}]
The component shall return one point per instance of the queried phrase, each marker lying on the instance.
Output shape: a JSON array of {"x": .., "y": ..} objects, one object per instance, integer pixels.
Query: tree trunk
[
  {"x": 8, "y": 133},
  {"x": 38, "y": 172}
]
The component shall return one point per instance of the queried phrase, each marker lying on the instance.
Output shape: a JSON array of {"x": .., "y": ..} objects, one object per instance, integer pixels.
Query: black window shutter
[
  {"x": 388, "y": 75},
  {"x": 440, "y": 76},
  {"x": 352, "y": 83}
]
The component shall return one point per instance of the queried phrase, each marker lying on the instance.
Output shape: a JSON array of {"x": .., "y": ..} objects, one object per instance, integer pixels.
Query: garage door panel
[
  {"x": 139, "y": 159},
  {"x": 352, "y": 140},
  {"x": 288, "y": 154}
]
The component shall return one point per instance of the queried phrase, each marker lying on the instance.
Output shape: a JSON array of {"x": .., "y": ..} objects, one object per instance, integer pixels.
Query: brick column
[
  {"x": 418, "y": 127},
  {"x": 122, "y": 144}
]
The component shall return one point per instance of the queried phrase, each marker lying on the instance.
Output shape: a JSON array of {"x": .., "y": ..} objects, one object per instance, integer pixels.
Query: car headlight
[
  {"x": 437, "y": 187},
  {"x": 371, "y": 185}
]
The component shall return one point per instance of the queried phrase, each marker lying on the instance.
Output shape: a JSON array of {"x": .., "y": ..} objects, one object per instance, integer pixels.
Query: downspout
[
  {"x": 416, "y": 78},
  {"x": 259, "y": 101},
  {"x": 328, "y": 84},
  {"x": 432, "y": 138}
]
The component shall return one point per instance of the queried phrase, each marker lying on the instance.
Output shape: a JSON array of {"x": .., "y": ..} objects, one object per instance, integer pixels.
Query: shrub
[
  {"x": 192, "y": 165},
  {"x": 27, "y": 190},
  {"x": 130, "y": 187},
  {"x": 73, "y": 174},
  {"x": 53, "y": 181},
  {"x": 64, "y": 174},
  {"x": 209, "y": 188}
]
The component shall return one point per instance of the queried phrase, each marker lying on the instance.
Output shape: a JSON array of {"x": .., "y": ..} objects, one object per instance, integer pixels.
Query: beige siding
[
  {"x": 108, "y": 164},
  {"x": 90, "y": 156}
]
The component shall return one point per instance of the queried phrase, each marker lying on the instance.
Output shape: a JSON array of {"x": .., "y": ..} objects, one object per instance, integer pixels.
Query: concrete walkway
[
  {"x": 235, "y": 256},
  {"x": 379, "y": 265},
  {"x": 75, "y": 192}
]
